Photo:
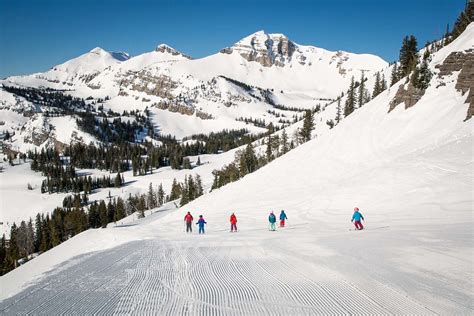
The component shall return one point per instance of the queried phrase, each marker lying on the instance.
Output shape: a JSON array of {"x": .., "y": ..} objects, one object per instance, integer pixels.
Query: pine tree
[
  {"x": 408, "y": 55},
  {"x": 38, "y": 232},
  {"x": 93, "y": 216},
  {"x": 13, "y": 253},
  {"x": 103, "y": 214},
  {"x": 394, "y": 76},
  {"x": 46, "y": 238},
  {"x": 21, "y": 240},
  {"x": 464, "y": 19},
  {"x": 55, "y": 232},
  {"x": 351, "y": 99},
  {"x": 308, "y": 126},
  {"x": 3, "y": 256},
  {"x": 424, "y": 73},
  {"x": 119, "y": 209},
  {"x": 175, "y": 190},
  {"x": 383, "y": 84},
  {"x": 151, "y": 198},
  {"x": 191, "y": 189},
  {"x": 377, "y": 85},
  {"x": 361, "y": 94},
  {"x": 284, "y": 142},
  {"x": 30, "y": 238},
  {"x": 269, "y": 151},
  {"x": 338, "y": 111},
  {"x": 199, "y": 189},
  {"x": 141, "y": 206},
  {"x": 248, "y": 160},
  {"x": 185, "y": 198},
  {"x": 186, "y": 163},
  {"x": 446, "y": 40},
  {"x": 118, "y": 180},
  {"x": 275, "y": 143},
  {"x": 160, "y": 195},
  {"x": 110, "y": 212}
]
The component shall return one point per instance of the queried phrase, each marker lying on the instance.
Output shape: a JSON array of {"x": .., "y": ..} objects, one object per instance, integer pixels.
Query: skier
[
  {"x": 272, "y": 220},
  {"x": 233, "y": 223},
  {"x": 201, "y": 223},
  {"x": 356, "y": 217},
  {"x": 282, "y": 218},
  {"x": 188, "y": 219}
]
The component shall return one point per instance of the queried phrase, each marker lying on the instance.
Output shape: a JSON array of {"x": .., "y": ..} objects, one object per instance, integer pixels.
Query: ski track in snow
[{"x": 204, "y": 275}]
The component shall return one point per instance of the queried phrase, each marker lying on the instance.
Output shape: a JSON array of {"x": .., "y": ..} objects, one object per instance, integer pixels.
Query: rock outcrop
[
  {"x": 160, "y": 86},
  {"x": 410, "y": 96},
  {"x": 463, "y": 62}
]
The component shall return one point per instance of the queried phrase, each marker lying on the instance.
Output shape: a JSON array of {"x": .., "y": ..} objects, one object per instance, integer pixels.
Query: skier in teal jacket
[
  {"x": 356, "y": 217},
  {"x": 272, "y": 221}
]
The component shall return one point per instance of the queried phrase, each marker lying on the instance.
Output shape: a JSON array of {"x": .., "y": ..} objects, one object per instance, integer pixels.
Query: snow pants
[
  {"x": 189, "y": 227},
  {"x": 358, "y": 225},
  {"x": 233, "y": 227},
  {"x": 272, "y": 226},
  {"x": 201, "y": 229},
  {"x": 282, "y": 223}
]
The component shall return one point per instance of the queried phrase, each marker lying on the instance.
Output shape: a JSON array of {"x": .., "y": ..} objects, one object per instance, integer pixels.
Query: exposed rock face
[
  {"x": 176, "y": 108},
  {"x": 463, "y": 62},
  {"x": 340, "y": 58},
  {"x": 266, "y": 49},
  {"x": 410, "y": 96},
  {"x": 203, "y": 115},
  {"x": 37, "y": 131},
  {"x": 160, "y": 86},
  {"x": 182, "y": 109},
  {"x": 163, "y": 48}
]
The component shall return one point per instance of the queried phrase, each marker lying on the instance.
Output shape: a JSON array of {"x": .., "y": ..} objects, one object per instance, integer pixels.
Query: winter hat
[
  {"x": 200, "y": 215},
  {"x": 356, "y": 208}
]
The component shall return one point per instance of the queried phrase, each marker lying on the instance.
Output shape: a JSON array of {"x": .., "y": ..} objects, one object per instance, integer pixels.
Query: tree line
[
  {"x": 247, "y": 161},
  {"x": 141, "y": 158},
  {"x": 75, "y": 216}
]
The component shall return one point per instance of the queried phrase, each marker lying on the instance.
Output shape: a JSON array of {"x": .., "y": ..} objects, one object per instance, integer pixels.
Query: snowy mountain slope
[
  {"x": 77, "y": 71},
  {"x": 189, "y": 95},
  {"x": 410, "y": 171}
]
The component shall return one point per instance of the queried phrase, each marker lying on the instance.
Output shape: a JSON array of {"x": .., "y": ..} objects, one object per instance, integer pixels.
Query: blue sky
[{"x": 37, "y": 34}]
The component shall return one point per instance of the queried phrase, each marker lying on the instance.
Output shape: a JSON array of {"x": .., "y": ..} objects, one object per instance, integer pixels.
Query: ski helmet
[{"x": 356, "y": 208}]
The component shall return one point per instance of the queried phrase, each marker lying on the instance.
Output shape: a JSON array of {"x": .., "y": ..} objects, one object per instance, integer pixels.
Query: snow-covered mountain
[
  {"x": 189, "y": 96},
  {"x": 407, "y": 165}
]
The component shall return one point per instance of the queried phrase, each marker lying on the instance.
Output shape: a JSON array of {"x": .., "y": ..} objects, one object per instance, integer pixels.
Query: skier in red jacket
[
  {"x": 233, "y": 223},
  {"x": 188, "y": 219}
]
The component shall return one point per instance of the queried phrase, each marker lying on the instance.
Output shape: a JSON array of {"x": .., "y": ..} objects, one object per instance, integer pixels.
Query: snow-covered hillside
[
  {"x": 188, "y": 96},
  {"x": 410, "y": 172}
]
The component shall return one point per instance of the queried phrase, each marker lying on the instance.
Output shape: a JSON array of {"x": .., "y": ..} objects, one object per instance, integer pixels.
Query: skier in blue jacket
[
  {"x": 356, "y": 217},
  {"x": 282, "y": 218},
  {"x": 201, "y": 223}
]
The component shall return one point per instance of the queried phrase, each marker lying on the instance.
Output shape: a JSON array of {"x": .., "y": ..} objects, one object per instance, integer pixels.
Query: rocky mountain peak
[
  {"x": 266, "y": 49},
  {"x": 98, "y": 51},
  {"x": 120, "y": 56},
  {"x": 164, "y": 48}
]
